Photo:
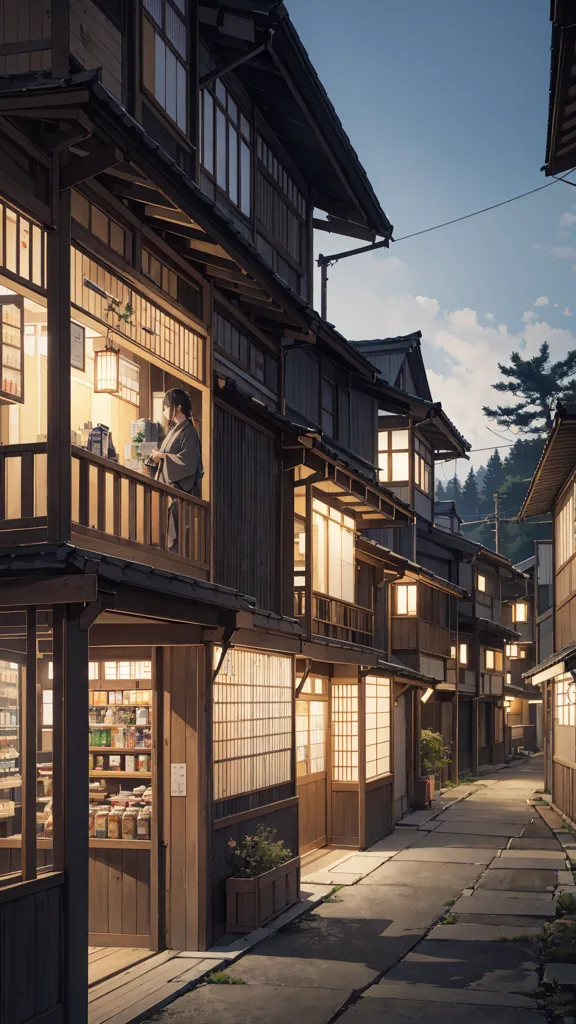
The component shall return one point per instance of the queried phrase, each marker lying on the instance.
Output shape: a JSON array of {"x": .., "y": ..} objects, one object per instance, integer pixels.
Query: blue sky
[{"x": 446, "y": 102}]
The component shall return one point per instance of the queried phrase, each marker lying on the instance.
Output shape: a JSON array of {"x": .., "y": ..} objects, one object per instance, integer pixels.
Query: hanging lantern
[{"x": 107, "y": 370}]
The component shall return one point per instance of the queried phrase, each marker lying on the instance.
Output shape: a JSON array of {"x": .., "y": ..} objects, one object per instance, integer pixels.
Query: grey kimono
[{"x": 182, "y": 468}]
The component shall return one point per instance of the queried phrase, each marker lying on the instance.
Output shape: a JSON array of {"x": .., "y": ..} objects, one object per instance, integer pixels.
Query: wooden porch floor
[{"x": 127, "y": 984}]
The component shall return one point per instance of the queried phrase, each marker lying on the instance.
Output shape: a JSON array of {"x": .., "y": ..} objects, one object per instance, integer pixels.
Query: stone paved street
[{"x": 376, "y": 952}]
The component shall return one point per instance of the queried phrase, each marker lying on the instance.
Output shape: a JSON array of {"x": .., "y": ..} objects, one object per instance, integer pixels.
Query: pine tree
[
  {"x": 470, "y": 502},
  {"x": 493, "y": 480},
  {"x": 454, "y": 490},
  {"x": 539, "y": 385},
  {"x": 440, "y": 492}
]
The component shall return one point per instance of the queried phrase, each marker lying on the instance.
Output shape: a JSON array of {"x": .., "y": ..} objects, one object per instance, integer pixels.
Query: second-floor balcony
[
  {"x": 336, "y": 619},
  {"x": 114, "y": 510}
]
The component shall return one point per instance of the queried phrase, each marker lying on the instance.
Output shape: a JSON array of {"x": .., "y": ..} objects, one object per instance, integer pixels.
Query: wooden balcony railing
[
  {"x": 339, "y": 620},
  {"x": 23, "y": 493},
  {"x": 114, "y": 510},
  {"x": 119, "y": 510}
]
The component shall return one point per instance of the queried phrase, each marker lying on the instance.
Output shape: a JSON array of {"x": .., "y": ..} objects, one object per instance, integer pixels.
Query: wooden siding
[
  {"x": 312, "y": 806},
  {"x": 183, "y": 832},
  {"x": 23, "y": 21},
  {"x": 363, "y": 426},
  {"x": 247, "y": 482},
  {"x": 96, "y": 43},
  {"x": 564, "y": 788},
  {"x": 119, "y": 897},
  {"x": 379, "y": 810},
  {"x": 301, "y": 383},
  {"x": 565, "y": 600},
  {"x": 345, "y": 815},
  {"x": 31, "y": 955}
]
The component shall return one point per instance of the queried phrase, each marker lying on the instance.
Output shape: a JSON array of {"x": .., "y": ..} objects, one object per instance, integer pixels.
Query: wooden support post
[
  {"x": 417, "y": 703},
  {"x": 71, "y": 709},
  {"x": 308, "y": 599},
  {"x": 454, "y": 769},
  {"x": 361, "y": 761},
  {"x": 58, "y": 274},
  {"x": 287, "y": 544},
  {"x": 29, "y": 752}
]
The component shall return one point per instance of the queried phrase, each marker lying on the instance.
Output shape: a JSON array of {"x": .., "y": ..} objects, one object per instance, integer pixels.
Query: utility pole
[{"x": 497, "y": 521}]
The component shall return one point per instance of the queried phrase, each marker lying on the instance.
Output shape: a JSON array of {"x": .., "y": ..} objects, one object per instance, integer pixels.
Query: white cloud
[
  {"x": 461, "y": 349},
  {"x": 537, "y": 246},
  {"x": 563, "y": 252},
  {"x": 490, "y": 317},
  {"x": 567, "y": 220},
  {"x": 566, "y": 311},
  {"x": 543, "y": 300}
]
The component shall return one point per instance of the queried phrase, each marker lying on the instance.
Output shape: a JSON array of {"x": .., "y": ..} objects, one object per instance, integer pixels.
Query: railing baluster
[
  {"x": 2, "y": 486},
  {"x": 101, "y": 494},
  {"x": 27, "y": 485},
  {"x": 117, "y": 505},
  {"x": 147, "y": 502},
  {"x": 84, "y": 500},
  {"x": 132, "y": 509}
]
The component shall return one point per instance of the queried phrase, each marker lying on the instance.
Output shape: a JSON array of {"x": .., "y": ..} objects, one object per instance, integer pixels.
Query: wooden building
[
  {"x": 160, "y": 164},
  {"x": 551, "y": 492},
  {"x": 525, "y": 607}
]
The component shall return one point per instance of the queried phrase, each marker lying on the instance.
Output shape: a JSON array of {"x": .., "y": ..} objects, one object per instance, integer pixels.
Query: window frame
[
  {"x": 463, "y": 661},
  {"x": 160, "y": 32},
  {"x": 240, "y": 126},
  {"x": 308, "y": 701},
  {"x": 408, "y": 589},
  {"x": 481, "y": 587},
  {"x": 387, "y": 451},
  {"x": 565, "y": 530},
  {"x": 423, "y": 466},
  {"x": 497, "y": 658},
  {"x": 346, "y": 525},
  {"x": 378, "y": 726},
  {"x": 515, "y": 607}
]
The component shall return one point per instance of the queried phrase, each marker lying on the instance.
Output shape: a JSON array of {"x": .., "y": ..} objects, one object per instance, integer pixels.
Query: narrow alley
[{"x": 440, "y": 919}]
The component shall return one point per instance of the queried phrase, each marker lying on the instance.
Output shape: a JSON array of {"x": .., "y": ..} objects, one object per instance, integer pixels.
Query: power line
[{"x": 485, "y": 209}]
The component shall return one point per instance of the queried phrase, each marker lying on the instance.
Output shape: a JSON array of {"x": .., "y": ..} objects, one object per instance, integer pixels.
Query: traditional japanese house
[
  {"x": 414, "y": 434},
  {"x": 523, "y": 706},
  {"x": 160, "y": 163},
  {"x": 551, "y": 492}
]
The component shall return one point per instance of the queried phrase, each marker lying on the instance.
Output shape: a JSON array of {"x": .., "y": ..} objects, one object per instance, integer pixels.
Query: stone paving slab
[
  {"x": 443, "y": 839},
  {"x": 479, "y": 828},
  {"x": 399, "y": 840},
  {"x": 527, "y": 843},
  {"x": 335, "y": 877},
  {"x": 420, "y": 874},
  {"x": 503, "y": 903},
  {"x": 551, "y": 818},
  {"x": 298, "y": 972},
  {"x": 484, "y": 932},
  {"x": 530, "y": 864},
  {"x": 519, "y": 880},
  {"x": 519, "y": 923},
  {"x": 537, "y": 829},
  {"x": 416, "y": 818},
  {"x": 481, "y": 966},
  {"x": 560, "y": 974},
  {"x": 435, "y": 994},
  {"x": 406, "y": 1010},
  {"x": 447, "y": 855},
  {"x": 467, "y": 810},
  {"x": 236, "y": 1004},
  {"x": 556, "y": 856}
]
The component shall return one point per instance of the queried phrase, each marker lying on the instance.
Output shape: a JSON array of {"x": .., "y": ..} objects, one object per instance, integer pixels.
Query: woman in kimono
[{"x": 179, "y": 458}]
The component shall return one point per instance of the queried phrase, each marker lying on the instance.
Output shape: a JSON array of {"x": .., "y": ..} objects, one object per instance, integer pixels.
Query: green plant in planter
[
  {"x": 433, "y": 752},
  {"x": 260, "y": 852}
]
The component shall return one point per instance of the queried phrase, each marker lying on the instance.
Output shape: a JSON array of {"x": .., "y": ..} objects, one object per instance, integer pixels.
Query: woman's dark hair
[{"x": 178, "y": 397}]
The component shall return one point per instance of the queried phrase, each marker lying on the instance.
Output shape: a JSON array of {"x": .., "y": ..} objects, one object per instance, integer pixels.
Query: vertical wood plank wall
[
  {"x": 183, "y": 830},
  {"x": 31, "y": 958},
  {"x": 247, "y": 532}
]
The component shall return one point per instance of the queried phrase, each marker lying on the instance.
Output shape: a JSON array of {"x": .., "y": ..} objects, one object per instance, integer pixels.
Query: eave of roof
[
  {"x": 406, "y": 565},
  {"x": 557, "y": 462},
  {"x": 561, "y": 141},
  {"x": 566, "y": 654}
]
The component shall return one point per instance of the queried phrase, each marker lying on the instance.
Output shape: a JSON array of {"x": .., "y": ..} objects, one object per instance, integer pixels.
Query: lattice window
[
  {"x": 22, "y": 246},
  {"x": 565, "y": 691},
  {"x": 150, "y": 327},
  {"x": 344, "y": 732},
  {"x": 310, "y": 736},
  {"x": 378, "y": 747},
  {"x": 252, "y": 722}
]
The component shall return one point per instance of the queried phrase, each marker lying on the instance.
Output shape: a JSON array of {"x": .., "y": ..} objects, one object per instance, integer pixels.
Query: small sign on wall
[
  {"x": 177, "y": 780},
  {"x": 77, "y": 347}
]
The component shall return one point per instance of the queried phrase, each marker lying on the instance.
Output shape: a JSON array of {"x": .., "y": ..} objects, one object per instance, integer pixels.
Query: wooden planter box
[
  {"x": 424, "y": 791},
  {"x": 251, "y": 902}
]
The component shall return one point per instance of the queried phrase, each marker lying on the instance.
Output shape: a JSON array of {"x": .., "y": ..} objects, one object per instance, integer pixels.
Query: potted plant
[
  {"x": 265, "y": 880},
  {"x": 433, "y": 757}
]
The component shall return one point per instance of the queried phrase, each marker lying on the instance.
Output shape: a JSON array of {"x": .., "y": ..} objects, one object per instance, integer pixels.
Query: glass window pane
[
  {"x": 170, "y": 104},
  {"x": 220, "y": 92},
  {"x": 154, "y": 7},
  {"x": 80, "y": 209},
  {"x": 245, "y": 127},
  {"x": 334, "y": 559},
  {"x": 246, "y": 187},
  {"x": 221, "y": 156},
  {"x": 232, "y": 110},
  {"x": 401, "y": 600},
  {"x": 160, "y": 70},
  {"x": 320, "y": 580},
  {"x": 233, "y": 164},
  {"x": 208, "y": 132},
  {"x": 181, "y": 96},
  {"x": 348, "y": 571},
  {"x": 11, "y": 241},
  {"x": 176, "y": 30},
  {"x": 399, "y": 439},
  {"x": 400, "y": 466}
]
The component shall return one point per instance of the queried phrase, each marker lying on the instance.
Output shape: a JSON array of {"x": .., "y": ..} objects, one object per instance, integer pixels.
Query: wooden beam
[
  {"x": 71, "y": 798},
  {"x": 140, "y": 193},
  {"x": 59, "y": 408},
  {"x": 29, "y": 788},
  {"x": 85, "y": 167},
  {"x": 162, "y": 607},
  {"x": 169, "y": 214},
  {"x": 47, "y": 590},
  {"x": 174, "y": 634}
]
